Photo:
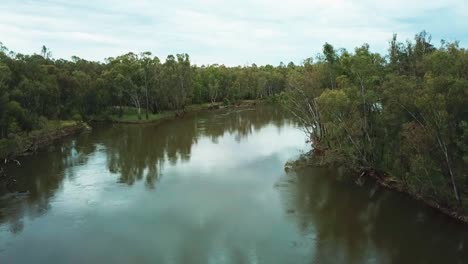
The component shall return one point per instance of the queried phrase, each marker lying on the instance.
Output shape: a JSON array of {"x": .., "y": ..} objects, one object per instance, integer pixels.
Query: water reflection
[
  {"x": 132, "y": 153},
  {"x": 33, "y": 189},
  {"x": 351, "y": 224},
  {"x": 208, "y": 188}
]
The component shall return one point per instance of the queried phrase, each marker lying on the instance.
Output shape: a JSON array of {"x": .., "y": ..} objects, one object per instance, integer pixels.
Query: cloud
[{"x": 229, "y": 32}]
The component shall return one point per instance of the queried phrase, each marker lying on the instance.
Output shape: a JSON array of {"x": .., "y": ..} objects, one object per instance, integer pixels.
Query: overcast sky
[{"x": 229, "y": 32}]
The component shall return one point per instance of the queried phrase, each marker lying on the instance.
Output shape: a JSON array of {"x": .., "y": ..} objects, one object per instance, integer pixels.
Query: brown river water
[{"x": 209, "y": 188}]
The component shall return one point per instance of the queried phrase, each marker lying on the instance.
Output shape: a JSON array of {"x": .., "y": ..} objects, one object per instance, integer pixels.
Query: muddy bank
[
  {"x": 28, "y": 144},
  {"x": 311, "y": 159},
  {"x": 396, "y": 185}
]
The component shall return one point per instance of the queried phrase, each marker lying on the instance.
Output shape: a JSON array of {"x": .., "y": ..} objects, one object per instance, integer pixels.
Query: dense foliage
[
  {"x": 404, "y": 115},
  {"x": 37, "y": 88}
]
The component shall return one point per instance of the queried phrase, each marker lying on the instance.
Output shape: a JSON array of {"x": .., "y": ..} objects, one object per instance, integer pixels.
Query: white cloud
[{"x": 229, "y": 32}]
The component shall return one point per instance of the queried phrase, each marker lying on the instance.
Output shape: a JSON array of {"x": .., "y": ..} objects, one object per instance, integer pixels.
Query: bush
[
  {"x": 42, "y": 122},
  {"x": 77, "y": 117},
  {"x": 7, "y": 147}
]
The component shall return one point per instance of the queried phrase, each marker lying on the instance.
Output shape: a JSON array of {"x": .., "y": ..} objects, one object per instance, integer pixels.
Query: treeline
[
  {"x": 403, "y": 116},
  {"x": 37, "y": 88}
]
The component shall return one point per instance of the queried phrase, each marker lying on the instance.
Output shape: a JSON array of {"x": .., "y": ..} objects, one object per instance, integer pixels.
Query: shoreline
[
  {"x": 33, "y": 143},
  {"x": 37, "y": 140},
  {"x": 389, "y": 183},
  {"x": 397, "y": 186},
  {"x": 171, "y": 115}
]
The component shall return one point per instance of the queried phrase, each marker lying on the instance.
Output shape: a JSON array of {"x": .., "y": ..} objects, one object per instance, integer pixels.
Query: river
[{"x": 209, "y": 188}]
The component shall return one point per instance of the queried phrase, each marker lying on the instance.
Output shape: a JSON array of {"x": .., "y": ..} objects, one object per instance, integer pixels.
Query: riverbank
[
  {"x": 394, "y": 184},
  {"x": 25, "y": 144},
  {"x": 386, "y": 181},
  {"x": 131, "y": 116},
  {"x": 28, "y": 143}
]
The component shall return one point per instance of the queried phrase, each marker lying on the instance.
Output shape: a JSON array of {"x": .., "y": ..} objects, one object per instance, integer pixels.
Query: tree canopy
[{"x": 404, "y": 114}]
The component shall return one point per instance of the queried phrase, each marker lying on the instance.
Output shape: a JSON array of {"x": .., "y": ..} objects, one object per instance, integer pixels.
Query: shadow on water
[{"x": 368, "y": 224}]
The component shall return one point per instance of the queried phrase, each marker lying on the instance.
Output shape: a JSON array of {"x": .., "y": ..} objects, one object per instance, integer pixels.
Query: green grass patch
[
  {"x": 68, "y": 123},
  {"x": 197, "y": 107},
  {"x": 132, "y": 116}
]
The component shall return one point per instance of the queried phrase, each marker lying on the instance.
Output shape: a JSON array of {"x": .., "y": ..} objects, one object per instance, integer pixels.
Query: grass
[
  {"x": 130, "y": 114},
  {"x": 52, "y": 126},
  {"x": 133, "y": 117},
  {"x": 197, "y": 107},
  {"x": 67, "y": 123}
]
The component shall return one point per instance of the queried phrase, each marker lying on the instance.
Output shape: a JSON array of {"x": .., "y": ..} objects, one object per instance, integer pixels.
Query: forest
[
  {"x": 402, "y": 115},
  {"x": 37, "y": 89}
]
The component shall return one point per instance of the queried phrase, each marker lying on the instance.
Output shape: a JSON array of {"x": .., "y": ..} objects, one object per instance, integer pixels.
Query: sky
[{"x": 225, "y": 32}]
